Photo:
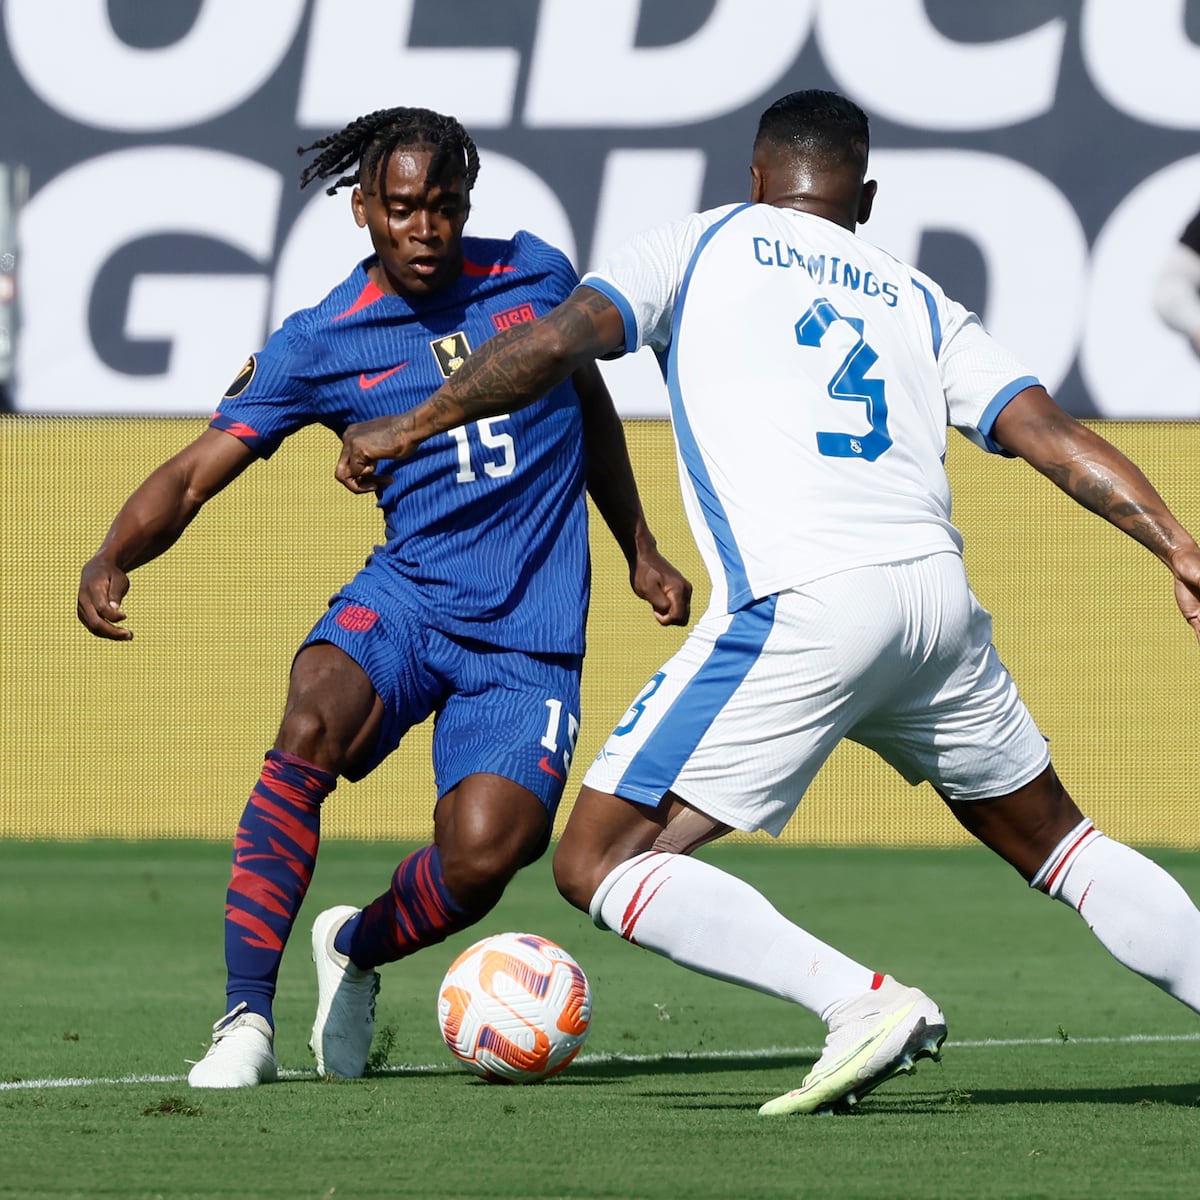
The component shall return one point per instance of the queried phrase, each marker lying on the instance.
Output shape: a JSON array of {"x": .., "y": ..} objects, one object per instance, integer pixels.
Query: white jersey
[{"x": 812, "y": 377}]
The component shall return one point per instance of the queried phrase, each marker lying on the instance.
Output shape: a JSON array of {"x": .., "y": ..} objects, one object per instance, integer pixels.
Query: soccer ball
[{"x": 514, "y": 1008}]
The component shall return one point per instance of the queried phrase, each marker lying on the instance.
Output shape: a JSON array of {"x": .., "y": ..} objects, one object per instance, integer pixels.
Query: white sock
[
  {"x": 1141, "y": 915},
  {"x": 717, "y": 924}
]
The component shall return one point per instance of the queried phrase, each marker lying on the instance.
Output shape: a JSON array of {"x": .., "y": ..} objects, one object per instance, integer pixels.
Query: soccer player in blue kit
[
  {"x": 812, "y": 379},
  {"x": 472, "y": 611}
]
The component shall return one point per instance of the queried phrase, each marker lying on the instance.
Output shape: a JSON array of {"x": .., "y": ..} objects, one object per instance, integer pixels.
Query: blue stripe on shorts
[{"x": 656, "y": 766}]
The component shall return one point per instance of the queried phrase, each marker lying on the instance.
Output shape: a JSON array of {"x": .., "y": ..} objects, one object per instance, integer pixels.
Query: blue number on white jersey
[{"x": 849, "y": 383}]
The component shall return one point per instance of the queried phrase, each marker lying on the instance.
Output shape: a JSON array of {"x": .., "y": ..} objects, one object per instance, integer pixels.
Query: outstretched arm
[
  {"x": 1098, "y": 476},
  {"x": 614, "y": 491},
  {"x": 151, "y": 522},
  {"x": 508, "y": 372}
]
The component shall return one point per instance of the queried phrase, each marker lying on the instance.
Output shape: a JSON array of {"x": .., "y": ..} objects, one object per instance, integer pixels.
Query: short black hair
[
  {"x": 369, "y": 141},
  {"x": 817, "y": 124}
]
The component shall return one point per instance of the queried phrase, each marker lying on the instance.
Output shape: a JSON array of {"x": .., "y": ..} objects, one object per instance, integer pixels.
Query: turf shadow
[
  {"x": 1181, "y": 1095},
  {"x": 618, "y": 1068}
]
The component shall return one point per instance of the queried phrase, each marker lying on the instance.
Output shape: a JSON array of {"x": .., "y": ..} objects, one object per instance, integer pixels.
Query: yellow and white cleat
[{"x": 871, "y": 1039}]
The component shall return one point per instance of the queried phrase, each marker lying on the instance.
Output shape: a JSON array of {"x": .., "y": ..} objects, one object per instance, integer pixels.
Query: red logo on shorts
[
  {"x": 545, "y": 765},
  {"x": 513, "y": 316},
  {"x": 356, "y": 618}
]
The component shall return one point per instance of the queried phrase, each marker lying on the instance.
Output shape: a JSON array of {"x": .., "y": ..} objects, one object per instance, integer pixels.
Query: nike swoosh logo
[
  {"x": 545, "y": 765},
  {"x": 841, "y": 1062},
  {"x": 369, "y": 381}
]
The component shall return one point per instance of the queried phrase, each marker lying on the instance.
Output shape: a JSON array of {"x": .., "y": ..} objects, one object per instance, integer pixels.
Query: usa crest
[{"x": 513, "y": 316}]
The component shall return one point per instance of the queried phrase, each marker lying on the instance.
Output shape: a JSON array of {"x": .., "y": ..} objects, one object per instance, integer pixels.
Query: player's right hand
[
  {"x": 663, "y": 587},
  {"x": 102, "y": 587},
  {"x": 364, "y": 446}
]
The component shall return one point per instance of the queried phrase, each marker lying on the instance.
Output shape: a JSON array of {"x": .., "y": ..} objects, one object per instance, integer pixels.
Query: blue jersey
[{"x": 486, "y": 526}]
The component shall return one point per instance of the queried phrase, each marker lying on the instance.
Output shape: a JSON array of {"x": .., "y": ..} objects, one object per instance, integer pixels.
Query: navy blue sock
[
  {"x": 416, "y": 911},
  {"x": 273, "y": 859}
]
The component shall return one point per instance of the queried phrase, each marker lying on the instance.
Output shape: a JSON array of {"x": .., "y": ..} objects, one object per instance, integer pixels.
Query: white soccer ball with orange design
[{"x": 514, "y": 1008}]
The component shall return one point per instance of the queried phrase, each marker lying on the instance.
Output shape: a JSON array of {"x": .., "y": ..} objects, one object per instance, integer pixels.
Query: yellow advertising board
[{"x": 163, "y": 736}]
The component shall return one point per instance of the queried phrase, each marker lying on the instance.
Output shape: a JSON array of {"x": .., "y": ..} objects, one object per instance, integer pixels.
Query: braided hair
[{"x": 369, "y": 141}]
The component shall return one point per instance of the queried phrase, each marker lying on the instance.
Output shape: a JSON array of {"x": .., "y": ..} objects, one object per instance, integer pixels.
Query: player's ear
[
  {"x": 866, "y": 200},
  {"x": 758, "y": 185},
  {"x": 358, "y": 206}
]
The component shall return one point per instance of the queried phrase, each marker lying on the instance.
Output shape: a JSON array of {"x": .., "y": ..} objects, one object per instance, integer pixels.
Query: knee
[
  {"x": 305, "y": 733},
  {"x": 575, "y": 875},
  {"x": 477, "y": 883},
  {"x": 476, "y": 870},
  {"x": 332, "y": 715}
]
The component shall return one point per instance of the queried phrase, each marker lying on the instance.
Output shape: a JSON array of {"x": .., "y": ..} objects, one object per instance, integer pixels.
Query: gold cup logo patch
[{"x": 451, "y": 352}]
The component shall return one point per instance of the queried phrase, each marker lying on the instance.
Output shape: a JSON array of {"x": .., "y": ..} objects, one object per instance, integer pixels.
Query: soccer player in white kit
[{"x": 812, "y": 378}]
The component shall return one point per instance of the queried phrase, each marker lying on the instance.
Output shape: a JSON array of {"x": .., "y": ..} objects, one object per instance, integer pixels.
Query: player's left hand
[
  {"x": 663, "y": 587},
  {"x": 364, "y": 446}
]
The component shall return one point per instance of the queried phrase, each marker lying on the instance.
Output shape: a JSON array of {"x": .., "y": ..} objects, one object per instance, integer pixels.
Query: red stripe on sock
[
  {"x": 301, "y": 869},
  {"x": 266, "y": 938},
  {"x": 876, "y": 982},
  {"x": 1066, "y": 858},
  {"x": 627, "y": 930},
  {"x": 262, "y": 891},
  {"x": 637, "y": 906},
  {"x": 1079, "y": 906},
  {"x": 428, "y": 901},
  {"x": 289, "y": 823},
  {"x": 422, "y": 911}
]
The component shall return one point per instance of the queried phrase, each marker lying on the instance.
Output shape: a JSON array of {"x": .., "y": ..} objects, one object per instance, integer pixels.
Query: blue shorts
[{"x": 496, "y": 711}]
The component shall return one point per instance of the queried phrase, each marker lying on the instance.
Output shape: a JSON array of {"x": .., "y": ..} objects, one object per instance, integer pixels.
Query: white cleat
[
  {"x": 345, "y": 1021},
  {"x": 871, "y": 1039},
  {"x": 242, "y": 1053}
]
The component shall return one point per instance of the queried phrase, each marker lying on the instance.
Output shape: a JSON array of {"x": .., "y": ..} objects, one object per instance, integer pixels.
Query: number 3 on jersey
[
  {"x": 497, "y": 449},
  {"x": 848, "y": 383}
]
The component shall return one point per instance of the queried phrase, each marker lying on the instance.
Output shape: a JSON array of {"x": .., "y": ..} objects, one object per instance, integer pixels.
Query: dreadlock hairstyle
[
  {"x": 820, "y": 124},
  {"x": 369, "y": 141}
]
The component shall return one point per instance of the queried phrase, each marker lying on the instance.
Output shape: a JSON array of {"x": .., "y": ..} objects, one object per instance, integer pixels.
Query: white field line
[{"x": 1131, "y": 1039}]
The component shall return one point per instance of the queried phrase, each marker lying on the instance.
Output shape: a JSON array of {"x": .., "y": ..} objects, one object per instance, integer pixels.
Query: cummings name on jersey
[{"x": 824, "y": 269}]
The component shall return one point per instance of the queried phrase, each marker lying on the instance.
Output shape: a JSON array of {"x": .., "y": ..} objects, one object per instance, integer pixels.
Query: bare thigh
[
  {"x": 332, "y": 715},
  {"x": 486, "y": 829}
]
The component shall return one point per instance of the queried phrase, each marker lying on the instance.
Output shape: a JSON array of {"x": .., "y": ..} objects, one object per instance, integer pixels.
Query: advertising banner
[{"x": 1037, "y": 157}]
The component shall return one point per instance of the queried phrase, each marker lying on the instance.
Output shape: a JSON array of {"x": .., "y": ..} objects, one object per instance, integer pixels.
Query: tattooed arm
[
  {"x": 1095, "y": 474},
  {"x": 507, "y": 372}
]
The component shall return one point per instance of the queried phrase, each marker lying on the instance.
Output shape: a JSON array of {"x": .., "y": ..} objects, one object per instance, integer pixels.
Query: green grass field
[{"x": 1063, "y": 1075}]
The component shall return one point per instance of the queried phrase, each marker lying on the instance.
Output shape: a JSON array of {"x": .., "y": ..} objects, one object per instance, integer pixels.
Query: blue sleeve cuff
[
  {"x": 996, "y": 407},
  {"x": 610, "y": 293}
]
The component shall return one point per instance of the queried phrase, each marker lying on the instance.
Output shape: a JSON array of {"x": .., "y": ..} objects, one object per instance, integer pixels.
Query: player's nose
[{"x": 422, "y": 227}]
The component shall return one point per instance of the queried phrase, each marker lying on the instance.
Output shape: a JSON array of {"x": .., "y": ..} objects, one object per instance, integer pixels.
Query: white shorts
[{"x": 897, "y": 657}]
